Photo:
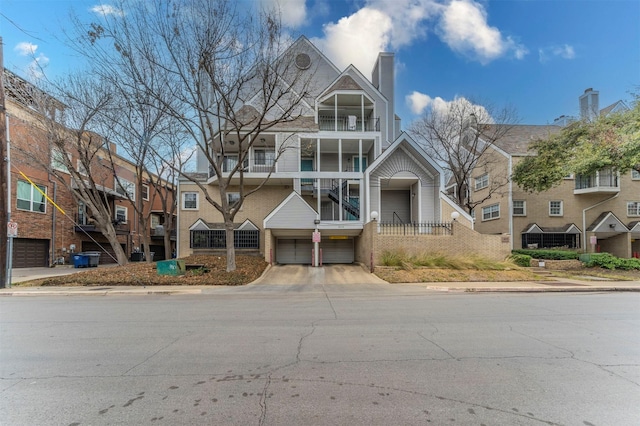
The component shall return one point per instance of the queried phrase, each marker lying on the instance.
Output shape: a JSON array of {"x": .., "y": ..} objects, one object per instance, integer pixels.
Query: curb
[{"x": 531, "y": 289}]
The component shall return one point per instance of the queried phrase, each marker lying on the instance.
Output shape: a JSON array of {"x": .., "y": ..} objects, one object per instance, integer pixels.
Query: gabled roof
[
  {"x": 202, "y": 225},
  {"x": 604, "y": 221},
  {"x": 618, "y": 106},
  {"x": 293, "y": 212},
  {"x": 405, "y": 140},
  {"x": 534, "y": 228},
  {"x": 345, "y": 82},
  {"x": 634, "y": 227},
  {"x": 518, "y": 137}
]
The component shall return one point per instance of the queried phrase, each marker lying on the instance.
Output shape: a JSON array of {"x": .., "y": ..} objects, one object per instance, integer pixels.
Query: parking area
[{"x": 305, "y": 274}]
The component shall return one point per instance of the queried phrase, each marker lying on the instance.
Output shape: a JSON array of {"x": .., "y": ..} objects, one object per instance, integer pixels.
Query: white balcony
[{"x": 605, "y": 181}]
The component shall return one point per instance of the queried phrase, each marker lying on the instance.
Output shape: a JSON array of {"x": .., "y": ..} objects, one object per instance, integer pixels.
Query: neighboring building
[
  {"x": 47, "y": 235},
  {"x": 592, "y": 213}
]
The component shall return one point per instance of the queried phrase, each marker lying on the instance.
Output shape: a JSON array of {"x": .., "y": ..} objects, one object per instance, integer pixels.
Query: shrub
[
  {"x": 521, "y": 259},
  {"x": 548, "y": 254},
  {"x": 609, "y": 261},
  {"x": 441, "y": 261}
]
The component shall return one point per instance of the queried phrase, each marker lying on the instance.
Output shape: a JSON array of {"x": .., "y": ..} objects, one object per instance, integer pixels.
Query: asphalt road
[{"x": 321, "y": 354}]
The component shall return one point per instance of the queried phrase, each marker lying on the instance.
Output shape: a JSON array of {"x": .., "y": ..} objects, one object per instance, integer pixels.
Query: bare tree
[
  {"x": 229, "y": 80},
  {"x": 461, "y": 137},
  {"x": 64, "y": 145}
]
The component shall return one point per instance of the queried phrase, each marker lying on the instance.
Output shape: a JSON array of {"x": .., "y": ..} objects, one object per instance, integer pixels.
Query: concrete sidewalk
[{"x": 552, "y": 284}]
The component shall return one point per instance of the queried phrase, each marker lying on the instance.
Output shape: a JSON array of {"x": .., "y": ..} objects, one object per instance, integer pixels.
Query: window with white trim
[
  {"x": 555, "y": 208},
  {"x": 190, "y": 201},
  {"x": 29, "y": 198},
  {"x": 145, "y": 192},
  {"x": 121, "y": 214},
  {"x": 519, "y": 208},
  {"x": 633, "y": 208},
  {"x": 125, "y": 188},
  {"x": 482, "y": 181},
  {"x": 491, "y": 212},
  {"x": 635, "y": 174}
]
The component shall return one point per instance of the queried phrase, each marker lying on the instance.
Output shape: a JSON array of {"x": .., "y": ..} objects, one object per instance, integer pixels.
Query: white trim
[
  {"x": 561, "y": 208},
  {"x": 182, "y": 200},
  {"x": 126, "y": 213}
]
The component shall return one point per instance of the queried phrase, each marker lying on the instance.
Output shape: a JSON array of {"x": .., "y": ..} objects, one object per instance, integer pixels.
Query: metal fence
[
  {"x": 217, "y": 239},
  {"x": 426, "y": 228}
]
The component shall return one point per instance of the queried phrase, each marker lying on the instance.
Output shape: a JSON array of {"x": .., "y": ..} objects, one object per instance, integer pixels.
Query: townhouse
[
  {"x": 596, "y": 213},
  {"x": 342, "y": 172},
  {"x": 48, "y": 235}
]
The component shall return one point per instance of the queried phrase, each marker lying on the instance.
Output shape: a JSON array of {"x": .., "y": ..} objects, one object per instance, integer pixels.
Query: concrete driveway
[{"x": 328, "y": 274}]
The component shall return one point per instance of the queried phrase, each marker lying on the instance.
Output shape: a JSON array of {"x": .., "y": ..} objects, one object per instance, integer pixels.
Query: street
[{"x": 321, "y": 354}]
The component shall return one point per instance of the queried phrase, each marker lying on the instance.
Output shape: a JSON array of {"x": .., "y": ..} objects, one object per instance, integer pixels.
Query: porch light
[
  {"x": 374, "y": 215},
  {"x": 455, "y": 216}
]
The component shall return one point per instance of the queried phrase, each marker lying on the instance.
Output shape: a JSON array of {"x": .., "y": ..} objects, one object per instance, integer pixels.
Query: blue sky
[{"x": 536, "y": 55}]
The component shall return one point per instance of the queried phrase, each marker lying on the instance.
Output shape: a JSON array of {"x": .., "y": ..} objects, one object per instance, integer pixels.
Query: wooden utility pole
[{"x": 4, "y": 213}]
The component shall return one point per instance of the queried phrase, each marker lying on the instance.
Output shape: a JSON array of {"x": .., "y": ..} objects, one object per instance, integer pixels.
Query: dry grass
[
  {"x": 249, "y": 268},
  {"x": 421, "y": 275}
]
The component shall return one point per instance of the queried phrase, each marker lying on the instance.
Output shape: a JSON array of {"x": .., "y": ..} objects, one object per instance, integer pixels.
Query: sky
[{"x": 537, "y": 56}]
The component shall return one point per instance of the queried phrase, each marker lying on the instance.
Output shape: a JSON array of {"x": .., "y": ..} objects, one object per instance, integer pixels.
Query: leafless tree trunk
[
  {"x": 228, "y": 76},
  {"x": 460, "y": 137}
]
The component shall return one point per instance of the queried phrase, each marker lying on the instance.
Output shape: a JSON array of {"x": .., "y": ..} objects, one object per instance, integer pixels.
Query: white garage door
[
  {"x": 294, "y": 251},
  {"x": 337, "y": 251}
]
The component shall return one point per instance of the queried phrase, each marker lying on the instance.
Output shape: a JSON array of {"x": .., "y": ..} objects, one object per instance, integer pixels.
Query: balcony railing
[
  {"x": 255, "y": 165},
  {"x": 344, "y": 123},
  {"x": 426, "y": 228},
  {"x": 605, "y": 181}
]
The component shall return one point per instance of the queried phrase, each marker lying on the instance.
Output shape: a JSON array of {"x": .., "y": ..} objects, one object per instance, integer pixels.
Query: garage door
[
  {"x": 337, "y": 251},
  {"x": 294, "y": 251},
  {"x": 104, "y": 257},
  {"x": 30, "y": 253}
]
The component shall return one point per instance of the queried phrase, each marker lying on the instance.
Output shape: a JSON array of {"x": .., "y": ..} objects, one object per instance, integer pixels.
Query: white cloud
[
  {"x": 106, "y": 9},
  {"x": 383, "y": 25},
  {"x": 564, "y": 51},
  {"x": 293, "y": 13},
  {"x": 36, "y": 67},
  {"x": 25, "y": 48},
  {"x": 419, "y": 103},
  {"x": 357, "y": 39},
  {"x": 465, "y": 29}
]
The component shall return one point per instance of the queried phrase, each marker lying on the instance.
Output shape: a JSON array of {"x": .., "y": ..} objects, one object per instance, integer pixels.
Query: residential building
[
  {"x": 49, "y": 235},
  {"x": 347, "y": 169},
  {"x": 593, "y": 213}
]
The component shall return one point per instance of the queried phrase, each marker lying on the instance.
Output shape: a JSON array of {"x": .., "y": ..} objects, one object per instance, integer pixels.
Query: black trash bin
[
  {"x": 136, "y": 256},
  {"x": 94, "y": 258}
]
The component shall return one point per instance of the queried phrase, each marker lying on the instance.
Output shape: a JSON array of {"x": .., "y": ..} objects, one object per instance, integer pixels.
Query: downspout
[
  {"x": 9, "y": 258},
  {"x": 584, "y": 220},
  {"x": 510, "y": 201},
  {"x": 54, "y": 260}
]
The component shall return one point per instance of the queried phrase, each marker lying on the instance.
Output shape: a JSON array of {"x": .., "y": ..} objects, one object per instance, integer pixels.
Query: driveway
[{"x": 305, "y": 274}]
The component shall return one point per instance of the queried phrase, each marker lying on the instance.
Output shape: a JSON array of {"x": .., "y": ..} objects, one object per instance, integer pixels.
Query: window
[
  {"x": 264, "y": 157},
  {"x": 491, "y": 212},
  {"x": 82, "y": 214},
  {"x": 232, "y": 197},
  {"x": 633, "y": 208},
  {"x": 356, "y": 163},
  {"x": 155, "y": 221},
  {"x": 482, "y": 181},
  {"x": 555, "y": 208},
  {"x": 121, "y": 214},
  {"x": 145, "y": 192},
  {"x": 29, "y": 198},
  {"x": 81, "y": 168},
  {"x": 635, "y": 174},
  {"x": 125, "y": 188},
  {"x": 519, "y": 208},
  {"x": 58, "y": 161},
  {"x": 190, "y": 201}
]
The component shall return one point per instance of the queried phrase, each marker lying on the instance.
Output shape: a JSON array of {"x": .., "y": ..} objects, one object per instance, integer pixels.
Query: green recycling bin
[{"x": 171, "y": 267}]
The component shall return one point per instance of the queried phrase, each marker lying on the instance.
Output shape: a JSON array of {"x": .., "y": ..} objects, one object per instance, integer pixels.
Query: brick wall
[{"x": 463, "y": 241}]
